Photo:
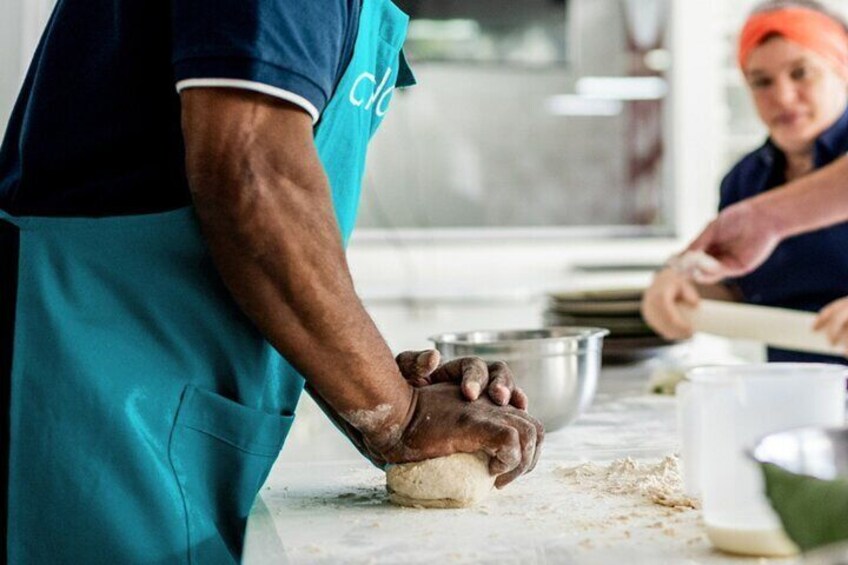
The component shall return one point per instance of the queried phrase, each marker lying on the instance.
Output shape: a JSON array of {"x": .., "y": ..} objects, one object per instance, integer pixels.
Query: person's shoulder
[
  {"x": 745, "y": 173},
  {"x": 841, "y": 131},
  {"x": 295, "y": 50},
  {"x": 757, "y": 162}
]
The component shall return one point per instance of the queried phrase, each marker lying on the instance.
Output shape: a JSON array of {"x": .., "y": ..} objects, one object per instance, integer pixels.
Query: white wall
[
  {"x": 697, "y": 93},
  {"x": 21, "y": 24},
  {"x": 10, "y": 55}
]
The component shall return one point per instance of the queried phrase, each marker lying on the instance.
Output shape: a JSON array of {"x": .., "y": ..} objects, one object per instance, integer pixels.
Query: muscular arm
[{"x": 265, "y": 208}]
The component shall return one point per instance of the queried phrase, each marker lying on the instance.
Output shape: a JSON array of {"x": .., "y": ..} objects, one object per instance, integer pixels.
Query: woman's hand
[
  {"x": 664, "y": 302},
  {"x": 833, "y": 321},
  {"x": 740, "y": 239}
]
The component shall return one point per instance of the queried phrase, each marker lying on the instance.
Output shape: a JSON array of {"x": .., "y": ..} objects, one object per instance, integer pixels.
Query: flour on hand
[{"x": 696, "y": 265}]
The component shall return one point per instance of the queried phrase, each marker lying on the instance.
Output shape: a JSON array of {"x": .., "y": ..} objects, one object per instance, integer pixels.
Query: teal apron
[{"x": 145, "y": 409}]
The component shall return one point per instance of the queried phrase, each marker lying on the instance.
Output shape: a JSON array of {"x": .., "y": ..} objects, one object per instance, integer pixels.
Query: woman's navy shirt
[
  {"x": 96, "y": 127},
  {"x": 805, "y": 272}
]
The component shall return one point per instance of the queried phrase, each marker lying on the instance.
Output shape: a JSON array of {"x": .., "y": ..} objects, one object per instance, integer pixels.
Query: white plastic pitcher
[{"x": 722, "y": 412}]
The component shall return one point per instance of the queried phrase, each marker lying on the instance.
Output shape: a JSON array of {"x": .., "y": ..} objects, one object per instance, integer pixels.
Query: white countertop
[{"x": 332, "y": 511}]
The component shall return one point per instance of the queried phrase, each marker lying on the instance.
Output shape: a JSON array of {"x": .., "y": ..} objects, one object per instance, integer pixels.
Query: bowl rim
[
  {"x": 584, "y": 332},
  {"x": 757, "y": 452}
]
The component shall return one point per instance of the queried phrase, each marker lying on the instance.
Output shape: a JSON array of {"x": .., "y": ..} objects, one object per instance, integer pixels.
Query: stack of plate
[{"x": 630, "y": 338}]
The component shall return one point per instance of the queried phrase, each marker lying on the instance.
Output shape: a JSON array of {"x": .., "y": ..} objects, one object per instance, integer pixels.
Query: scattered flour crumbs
[{"x": 660, "y": 483}]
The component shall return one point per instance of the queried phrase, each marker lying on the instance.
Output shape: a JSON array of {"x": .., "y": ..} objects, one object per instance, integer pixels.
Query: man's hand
[
  {"x": 421, "y": 368},
  {"x": 663, "y": 302},
  {"x": 741, "y": 238},
  {"x": 833, "y": 321},
  {"x": 441, "y": 422}
]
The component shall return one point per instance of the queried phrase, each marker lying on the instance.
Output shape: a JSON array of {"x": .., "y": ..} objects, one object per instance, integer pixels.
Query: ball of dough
[{"x": 455, "y": 481}]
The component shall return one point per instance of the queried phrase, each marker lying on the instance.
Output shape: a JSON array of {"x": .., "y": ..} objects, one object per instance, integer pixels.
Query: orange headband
[{"x": 808, "y": 28}]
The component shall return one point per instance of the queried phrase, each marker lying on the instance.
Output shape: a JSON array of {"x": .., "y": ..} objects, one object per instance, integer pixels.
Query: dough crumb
[{"x": 664, "y": 380}]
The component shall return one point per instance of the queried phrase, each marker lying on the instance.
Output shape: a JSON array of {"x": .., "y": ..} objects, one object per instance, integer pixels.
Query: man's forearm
[
  {"x": 352, "y": 434},
  {"x": 266, "y": 211},
  {"x": 814, "y": 201}
]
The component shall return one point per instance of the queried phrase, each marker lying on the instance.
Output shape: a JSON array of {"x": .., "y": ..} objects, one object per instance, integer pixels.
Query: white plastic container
[{"x": 723, "y": 411}]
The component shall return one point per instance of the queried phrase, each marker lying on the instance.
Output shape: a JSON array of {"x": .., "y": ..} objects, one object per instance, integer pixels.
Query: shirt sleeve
[
  {"x": 736, "y": 183},
  {"x": 291, "y": 49},
  {"x": 727, "y": 195}
]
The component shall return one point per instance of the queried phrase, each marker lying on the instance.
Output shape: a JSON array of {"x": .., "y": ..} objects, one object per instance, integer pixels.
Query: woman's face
[{"x": 797, "y": 93}]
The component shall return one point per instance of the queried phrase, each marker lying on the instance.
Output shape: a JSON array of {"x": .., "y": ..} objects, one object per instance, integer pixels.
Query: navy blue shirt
[
  {"x": 96, "y": 128},
  {"x": 805, "y": 272}
]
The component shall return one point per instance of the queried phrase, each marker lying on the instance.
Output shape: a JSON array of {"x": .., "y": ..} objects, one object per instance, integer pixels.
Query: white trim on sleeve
[{"x": 251, "y": 85}]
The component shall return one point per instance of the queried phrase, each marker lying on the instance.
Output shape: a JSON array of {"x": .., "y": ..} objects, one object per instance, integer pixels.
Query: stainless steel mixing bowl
[
  {"x": 557, "y": 367},
  {"x": 814, "y": 451}
]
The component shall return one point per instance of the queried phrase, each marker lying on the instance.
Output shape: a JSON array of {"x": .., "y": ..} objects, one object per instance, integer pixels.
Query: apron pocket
[{"x": 221, "y": 453}]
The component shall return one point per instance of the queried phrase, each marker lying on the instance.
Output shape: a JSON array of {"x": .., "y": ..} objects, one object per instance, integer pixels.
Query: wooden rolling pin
[{"x": 778, "y": 327}]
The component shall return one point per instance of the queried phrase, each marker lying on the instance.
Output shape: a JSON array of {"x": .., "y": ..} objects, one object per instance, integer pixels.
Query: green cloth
[{"x": 814, "y": 512}]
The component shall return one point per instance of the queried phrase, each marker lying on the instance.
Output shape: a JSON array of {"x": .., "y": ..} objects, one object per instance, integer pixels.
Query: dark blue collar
[{"x": 832, "y": 143}]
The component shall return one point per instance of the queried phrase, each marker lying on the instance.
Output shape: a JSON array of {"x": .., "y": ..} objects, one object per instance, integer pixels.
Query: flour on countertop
[{"x": 659, "y": 483}]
